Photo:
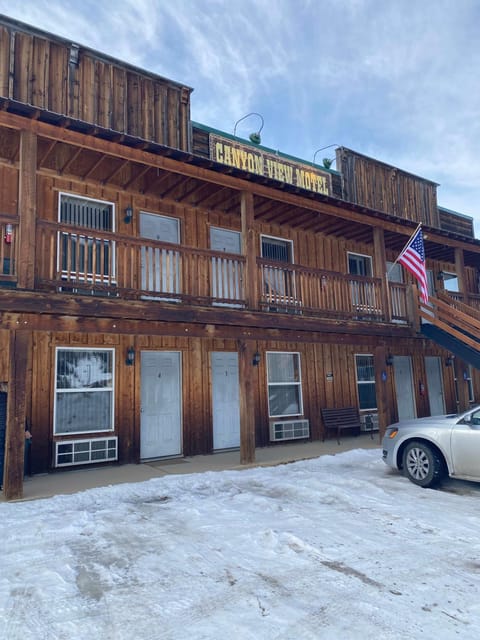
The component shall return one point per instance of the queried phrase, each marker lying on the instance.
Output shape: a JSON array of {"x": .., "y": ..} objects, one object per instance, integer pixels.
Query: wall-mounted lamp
[
  {"x": 256, "y": 359},
  {"x": 328, "y": 161},
  {"x": 389, "y": 360},
  {"x": 440, "y": 275},
  {"x": 253, "y": 137},
  {"x": 128, "y": 214},
  {"x": 130, "y": 359},
  {"x": 448, "y": 361}
]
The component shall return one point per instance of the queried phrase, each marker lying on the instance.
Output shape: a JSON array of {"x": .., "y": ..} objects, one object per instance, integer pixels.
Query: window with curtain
[
  {"x": 284, "y": 384},
  {"x": 83, "y": 391},
  {"x": 365, "y": 368}
]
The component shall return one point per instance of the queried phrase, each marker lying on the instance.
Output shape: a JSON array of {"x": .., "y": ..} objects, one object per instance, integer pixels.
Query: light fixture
[
  {"x": 321, "y": 149},
  {"x": 440, "y": 275},
  {"x": 256, "y": 359},
  {"x": 448, "y": 361},
  {"x": 130, "y": 359},
  {"x": 128, "y": 214},
  {"x": 389, "y": 360},
  {"x": 253, "y": 137}
]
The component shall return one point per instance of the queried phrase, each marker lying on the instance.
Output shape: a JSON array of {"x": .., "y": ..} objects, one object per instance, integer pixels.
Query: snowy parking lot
[{"x": 339, "y": 547}]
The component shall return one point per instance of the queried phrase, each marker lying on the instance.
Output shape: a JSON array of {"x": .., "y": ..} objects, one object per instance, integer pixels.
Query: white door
[
  {"x": 404, "y": 387},
  {"x": 160, "y": 421},
  {"x": 160, "y": 267},
  {"x": 226, "y": 274},
  {"x": 225, "y": 400},
  {"x": 435, "y": 385}
]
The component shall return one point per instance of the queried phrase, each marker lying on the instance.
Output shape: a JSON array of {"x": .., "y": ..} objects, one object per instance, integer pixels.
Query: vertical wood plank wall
[{"x": 96, "y": 90}]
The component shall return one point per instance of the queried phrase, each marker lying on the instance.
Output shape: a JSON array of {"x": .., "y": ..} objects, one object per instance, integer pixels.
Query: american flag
[{"x": 413, "y": 259}]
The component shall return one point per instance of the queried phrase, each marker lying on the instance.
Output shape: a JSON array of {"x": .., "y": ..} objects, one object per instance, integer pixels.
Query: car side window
[{"x": 475, "y": 419}]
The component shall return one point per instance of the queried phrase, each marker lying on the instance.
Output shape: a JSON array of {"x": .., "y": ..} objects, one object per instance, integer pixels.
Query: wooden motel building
[{"x": 168, "y": 289}]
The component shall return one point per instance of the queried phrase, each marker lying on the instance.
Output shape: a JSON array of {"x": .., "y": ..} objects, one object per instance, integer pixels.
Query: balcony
[{"x": 106, "y": 264}]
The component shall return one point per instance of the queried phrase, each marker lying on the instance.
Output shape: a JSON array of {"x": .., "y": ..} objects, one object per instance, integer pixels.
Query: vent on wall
[
  {"x": 289, "y": 430},
  {"x": 72, "y": 452},
  {"x": 369, "y": 422}
]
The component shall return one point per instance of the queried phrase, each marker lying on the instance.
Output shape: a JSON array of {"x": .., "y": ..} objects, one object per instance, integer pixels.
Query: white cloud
[{"x": 396, "y": 80}]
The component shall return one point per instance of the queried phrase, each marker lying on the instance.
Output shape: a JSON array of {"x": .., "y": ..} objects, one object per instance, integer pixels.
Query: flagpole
[{"x": 406, "y": 245}]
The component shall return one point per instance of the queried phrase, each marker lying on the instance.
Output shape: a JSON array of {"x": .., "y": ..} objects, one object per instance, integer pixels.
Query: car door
[{"x": 465, "y": 447}]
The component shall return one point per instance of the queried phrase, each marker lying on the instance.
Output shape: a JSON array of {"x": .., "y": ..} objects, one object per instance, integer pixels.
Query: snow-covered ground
[{"x": 333, "y": 548}]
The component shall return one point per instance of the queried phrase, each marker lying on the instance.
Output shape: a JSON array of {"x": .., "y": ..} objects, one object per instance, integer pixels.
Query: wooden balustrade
[
  {"x": 91, "y": 262},
  {"x": 298, "y": 289},
  {"x": 136, "y": 267}
]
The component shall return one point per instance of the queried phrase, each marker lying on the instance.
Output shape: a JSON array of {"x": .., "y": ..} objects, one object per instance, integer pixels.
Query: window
[
  {"x": 284, "y": 384},
  {"x": 450, "y": 282},
  {"x": 359, "y": 265},
  {"x": 83, "y": 391},
  {"x": 394, "y": 272},
  {"x": 82, "y": 256},
  {"x": 367, "y": 398}
]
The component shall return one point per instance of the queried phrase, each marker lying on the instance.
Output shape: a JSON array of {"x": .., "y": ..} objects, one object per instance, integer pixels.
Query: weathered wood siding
[
  {"x": 379, "y": 186},
  {"x": 37, "y": 69},
  {"x": 318, "y": 389},
  {"x": 456, "y": 223}
]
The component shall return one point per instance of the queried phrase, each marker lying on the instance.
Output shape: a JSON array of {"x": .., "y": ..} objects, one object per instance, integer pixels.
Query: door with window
[
  {"x": 83, "y": 254},
  {"x": 362, "y": 291},
  {"x": 160, "y": 266},
  {"x": 397, "y": 292},
  {"x": 225, "y": 400},
  {"x": 160, "y": 413},
  {"x": 402, "y": 366},
  {"x": 226, "y": 272},
  {"x": 278, "y": 281}
]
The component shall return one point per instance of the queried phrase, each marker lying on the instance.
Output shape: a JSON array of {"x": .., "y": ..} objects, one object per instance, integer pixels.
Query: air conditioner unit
[
  {"x": 88, "y": 451},
  {"x": 289, "y": 430},
  {"x": 369, "y": 422}
]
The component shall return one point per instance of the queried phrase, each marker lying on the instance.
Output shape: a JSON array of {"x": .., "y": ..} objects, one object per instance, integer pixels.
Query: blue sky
[{"x": 393, "y": 79}]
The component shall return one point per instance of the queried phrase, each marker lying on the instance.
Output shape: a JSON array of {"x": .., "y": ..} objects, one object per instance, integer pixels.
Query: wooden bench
[{"x": 340, "y": 419}]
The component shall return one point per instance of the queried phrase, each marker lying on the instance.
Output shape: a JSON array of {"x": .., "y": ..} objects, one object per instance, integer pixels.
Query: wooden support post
[
  {"x": 19, "y": 385},
  {"x": 383, "y": 386},
  {"x": 27, "y": 198},
  {"x": 249, "y": 250},
  {"x": 380, "y": 267},
  {"x": 247, "y": 409},
  {"x": 460, "y": 271},
  {"x": 462, "y": 370}
]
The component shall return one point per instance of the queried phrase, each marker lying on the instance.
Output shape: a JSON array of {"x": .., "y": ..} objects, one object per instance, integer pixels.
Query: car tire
[{"x": 422, "y": 464}]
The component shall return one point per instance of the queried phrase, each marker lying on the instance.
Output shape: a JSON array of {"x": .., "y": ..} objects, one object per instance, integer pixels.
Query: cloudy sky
[{"x": 393, "y": 79}]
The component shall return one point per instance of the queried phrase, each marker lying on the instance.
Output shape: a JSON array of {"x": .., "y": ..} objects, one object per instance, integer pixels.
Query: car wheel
[{"x": 422, "y": 464}]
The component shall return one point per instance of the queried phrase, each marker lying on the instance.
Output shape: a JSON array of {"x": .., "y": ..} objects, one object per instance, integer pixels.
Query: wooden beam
[
  {"x": 249, "y": 250},
  {"x": 27, "y": 204},
  {"x": 312, "y": 201},
  {"x": 383, "y": 387},
  {"x": 19, "y": 385},
  {"x": 70, "y": 161},
  {"x": 247, "y": 409},
  {"x": 380, "y": 269},
  {"x": 460, "y": 269}
]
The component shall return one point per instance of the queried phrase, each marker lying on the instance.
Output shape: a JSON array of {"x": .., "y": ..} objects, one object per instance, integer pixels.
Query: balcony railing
[
  {"x": 101, "y": 263},
  {"x": 297, "y": 289}
]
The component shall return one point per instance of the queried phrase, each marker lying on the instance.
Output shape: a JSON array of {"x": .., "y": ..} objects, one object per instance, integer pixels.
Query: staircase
[{"x": 453, "y": 325}]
